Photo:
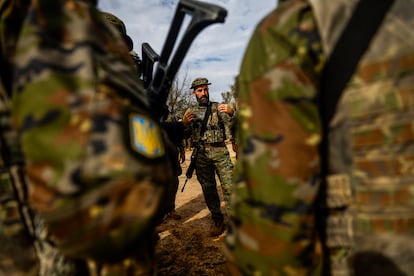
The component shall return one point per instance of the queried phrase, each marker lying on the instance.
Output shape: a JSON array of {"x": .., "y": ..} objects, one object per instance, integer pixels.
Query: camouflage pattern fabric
[
  {"x": 375, "y": 116},
  {"x": 370, "y": 224},
  {"x": 17, "y": 251},
  {"x": 213, "y": 160},
  {"x": 278, "y": 133},
  {"x": 26, "y": 248},
  {"x": 198, "y": 82},
  {"x": 25, "y": 245},
  {"x": 216, "y": 125},
  {"x": 95, "y": 160},
  {"x": 213, "y": 157}
]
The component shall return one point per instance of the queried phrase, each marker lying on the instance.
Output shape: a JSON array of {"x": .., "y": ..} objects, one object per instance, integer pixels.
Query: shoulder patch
[{"x": 145, "y": 136}]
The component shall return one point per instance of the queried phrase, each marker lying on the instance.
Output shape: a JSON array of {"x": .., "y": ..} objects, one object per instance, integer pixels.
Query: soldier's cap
[
  {"x": 198, "y": 82},
  {"x": 120, "y": 26}
]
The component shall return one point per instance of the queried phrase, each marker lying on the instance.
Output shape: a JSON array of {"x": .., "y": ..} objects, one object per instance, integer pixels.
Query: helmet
[
  {"x": 198, "y": 82},
  {"x": 120, "y": 26}
]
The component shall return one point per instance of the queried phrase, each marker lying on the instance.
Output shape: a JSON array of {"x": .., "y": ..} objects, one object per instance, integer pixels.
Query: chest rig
[{"x": 215, "y": 128}]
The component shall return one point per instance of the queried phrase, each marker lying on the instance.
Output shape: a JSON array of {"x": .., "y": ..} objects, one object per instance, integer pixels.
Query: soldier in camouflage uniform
[
  {"x": 95, "y": 163},
  {"x": 213, "y": 156},
  {"x": 370, "y": 189},
  {"x": 26, "y": 248}
]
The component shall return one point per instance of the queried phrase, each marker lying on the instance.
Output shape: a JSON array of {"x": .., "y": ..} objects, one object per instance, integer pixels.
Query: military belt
[{"x": 213, "y": 145}]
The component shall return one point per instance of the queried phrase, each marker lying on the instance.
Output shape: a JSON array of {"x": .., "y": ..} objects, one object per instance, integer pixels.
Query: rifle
[
  {"x": 158, "y": 84},
  {"x": 191, "y": 167}
]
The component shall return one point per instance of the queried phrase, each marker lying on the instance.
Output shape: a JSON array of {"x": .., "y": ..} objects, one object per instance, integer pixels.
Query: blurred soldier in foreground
[
  {"x": 205, "y": 124},
  {"x": 366, "y": 205},
  {"x": 26, "y": 247},
  {"x": 95, "y": 163}
]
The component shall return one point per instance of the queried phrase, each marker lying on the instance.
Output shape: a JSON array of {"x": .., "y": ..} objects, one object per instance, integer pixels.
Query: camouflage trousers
[{"x": 211, "y": 161}]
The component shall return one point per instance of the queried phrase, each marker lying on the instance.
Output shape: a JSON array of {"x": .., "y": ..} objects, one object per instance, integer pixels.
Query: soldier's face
[{"x": 201, "y": 93}]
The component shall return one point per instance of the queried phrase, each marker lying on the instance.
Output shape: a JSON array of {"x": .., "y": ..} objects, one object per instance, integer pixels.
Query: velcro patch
[{"x": 145, "y": 136}]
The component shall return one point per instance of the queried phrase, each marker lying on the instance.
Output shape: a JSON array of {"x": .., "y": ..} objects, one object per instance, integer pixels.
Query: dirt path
[{"x": 184, "y": 247}]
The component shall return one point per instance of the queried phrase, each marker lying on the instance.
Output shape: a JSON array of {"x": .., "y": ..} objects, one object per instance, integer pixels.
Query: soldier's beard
[{"x": 204, "y": 100}]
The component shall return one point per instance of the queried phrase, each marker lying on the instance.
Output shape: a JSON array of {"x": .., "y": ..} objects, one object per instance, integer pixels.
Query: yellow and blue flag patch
[{"x": 145, "y": 136}]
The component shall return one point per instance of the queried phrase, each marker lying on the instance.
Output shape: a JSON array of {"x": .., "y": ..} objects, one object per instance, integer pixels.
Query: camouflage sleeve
[
  {"x": 278, "y": 132},
  {"x": 95, "y": 158}
]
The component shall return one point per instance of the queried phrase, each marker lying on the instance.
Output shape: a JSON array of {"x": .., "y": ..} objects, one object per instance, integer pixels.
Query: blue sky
[{"x": 217, "y": 51}]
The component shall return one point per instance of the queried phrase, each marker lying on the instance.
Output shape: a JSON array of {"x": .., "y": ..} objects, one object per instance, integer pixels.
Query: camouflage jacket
[
  {"x": 278, "y": 131},
  {"x": 95, "y": 161},
  {"x": 217, "y": 127},
  {"x": 17, "y": 250}
]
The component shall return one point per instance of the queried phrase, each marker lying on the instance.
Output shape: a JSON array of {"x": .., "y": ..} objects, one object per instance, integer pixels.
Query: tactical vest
[
  {"x": 371, "y": 150},
  {"x": 215, "y": 129}
]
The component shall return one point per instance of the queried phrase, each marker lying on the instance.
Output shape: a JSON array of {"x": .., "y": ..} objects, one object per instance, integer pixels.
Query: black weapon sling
[
  {"x": 204, "y": 123},
  {"x": 352, "y": 44}
]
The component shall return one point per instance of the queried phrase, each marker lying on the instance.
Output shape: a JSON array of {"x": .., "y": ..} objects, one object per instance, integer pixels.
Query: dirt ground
[{"x": 185, "y": 247}]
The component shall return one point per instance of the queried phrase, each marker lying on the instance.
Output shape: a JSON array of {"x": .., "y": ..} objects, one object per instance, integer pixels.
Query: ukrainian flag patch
[{"x": 145, "y": 136}]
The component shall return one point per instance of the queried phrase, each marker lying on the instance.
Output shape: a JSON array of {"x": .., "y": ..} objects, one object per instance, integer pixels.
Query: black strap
[
  {"x": 352, "y": 44},
  {"x": 205, "y": 119}
]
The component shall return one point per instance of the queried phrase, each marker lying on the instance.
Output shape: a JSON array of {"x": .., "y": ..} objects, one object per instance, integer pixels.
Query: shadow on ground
[{"x": 185, "y": 248}]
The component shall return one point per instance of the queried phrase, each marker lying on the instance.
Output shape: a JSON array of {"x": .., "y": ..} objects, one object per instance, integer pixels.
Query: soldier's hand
[
  {"x": 225, "y": 108},
  {"x": 188, "y": 118}
]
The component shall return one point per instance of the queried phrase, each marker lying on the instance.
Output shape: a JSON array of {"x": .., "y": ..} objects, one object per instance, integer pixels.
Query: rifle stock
[
  {"x": 190, "y": 170},
  {"x": 158, "y": 84},
  {"x": 149, "y": 57}
]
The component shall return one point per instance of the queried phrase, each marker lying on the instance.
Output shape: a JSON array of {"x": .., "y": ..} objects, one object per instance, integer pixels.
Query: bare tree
[
  {"x": 228, "y": 95},
  {"x": 180, "y": 97}
]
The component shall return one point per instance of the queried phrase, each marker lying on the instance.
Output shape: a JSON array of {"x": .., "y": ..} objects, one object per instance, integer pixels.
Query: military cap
[
  {"x": 120, "y": 26},
  {"x": 198, "y": 82}
]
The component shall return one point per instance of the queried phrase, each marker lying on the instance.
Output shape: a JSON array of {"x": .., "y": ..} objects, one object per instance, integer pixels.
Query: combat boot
[{"x": 217, "y": 228}]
